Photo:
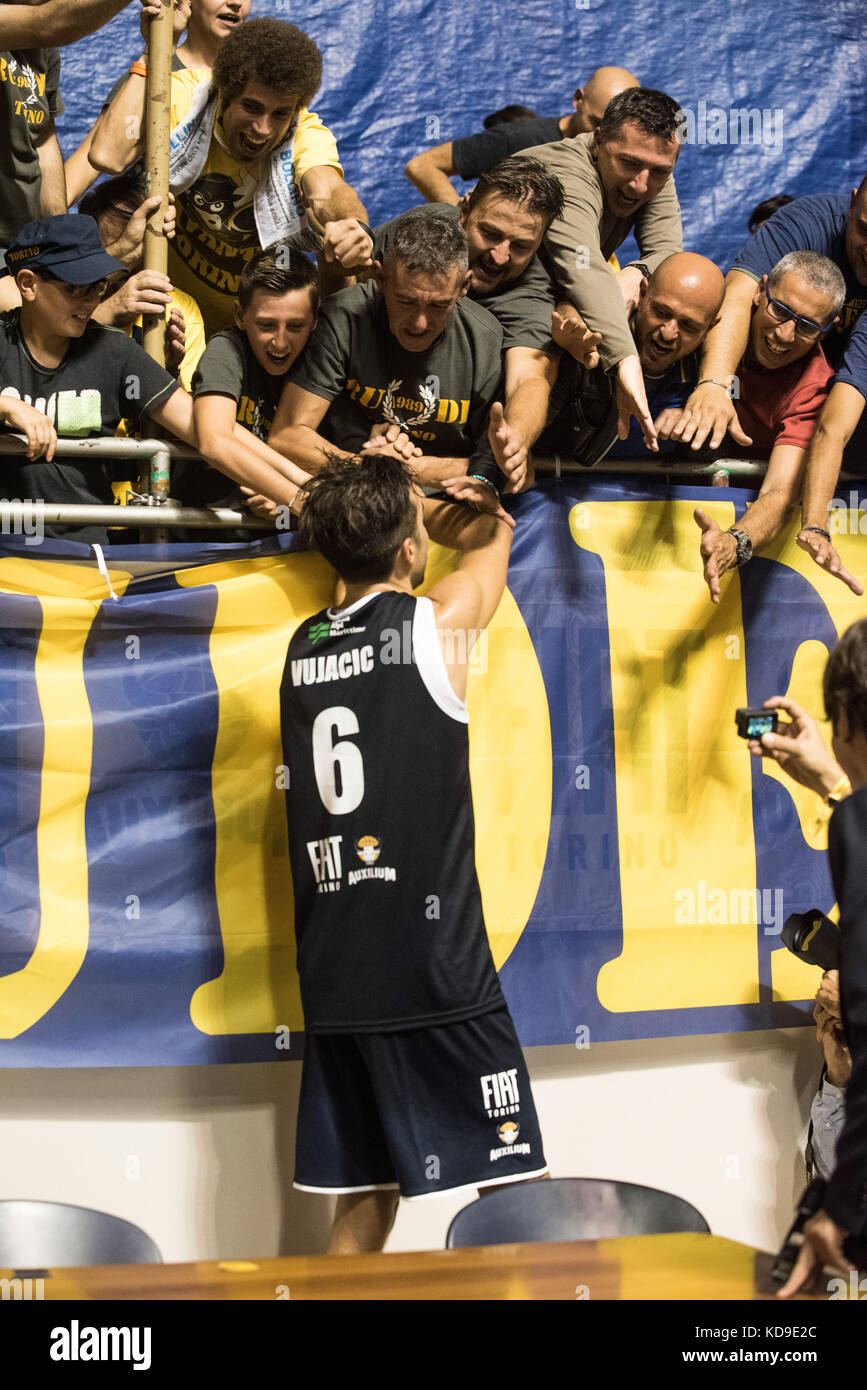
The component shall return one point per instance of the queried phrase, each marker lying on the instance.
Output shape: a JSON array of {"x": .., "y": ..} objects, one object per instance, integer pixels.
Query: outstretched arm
[
  {"x": 56, "y": 22},
  {"x": 431, "y": 173}
]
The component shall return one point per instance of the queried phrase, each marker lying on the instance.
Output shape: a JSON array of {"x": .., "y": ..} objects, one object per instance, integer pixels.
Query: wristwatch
[{"x": 744, "y": 545}]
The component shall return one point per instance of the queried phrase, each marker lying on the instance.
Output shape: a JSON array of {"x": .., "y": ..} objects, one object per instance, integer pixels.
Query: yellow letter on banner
[
  {"x": 684, "y": 803},
  {"x": 70, "y": 596}
]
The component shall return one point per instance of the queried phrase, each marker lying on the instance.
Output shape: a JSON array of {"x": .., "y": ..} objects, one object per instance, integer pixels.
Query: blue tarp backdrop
[{"x": 401, "y": 75}]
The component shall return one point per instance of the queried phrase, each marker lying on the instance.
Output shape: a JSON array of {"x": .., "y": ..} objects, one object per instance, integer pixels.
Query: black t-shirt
[
  {"x": 29, "y": 100},
  {"x": 474, "y": 154},
  {"x": 104, "y": 378},
  {"x": 523, "y": 309},
  {"x": 228, "y": 367},
  {"x": 388, "y": 912},
  {"x": 442, "y": 397}
]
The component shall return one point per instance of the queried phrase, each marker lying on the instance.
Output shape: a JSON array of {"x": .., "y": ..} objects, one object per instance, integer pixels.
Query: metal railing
[{"x": 157, "y": 511}]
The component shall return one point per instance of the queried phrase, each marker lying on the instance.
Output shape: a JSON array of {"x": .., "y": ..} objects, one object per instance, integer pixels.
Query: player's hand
[
  {"x": 632, "y": 400},
  {"x": 510, "y": 449},
  {"x": 719, "y": 552},
  {"x": 710, "y": 411},
  {"x": 799, "y": 748},
  {"x": 180, "y": 19},
  {"x": 479, "y": 496},
  {"x": 823, "y": 1247},
  {"x": 346, "y": 243},
  {"x": 390, "y": 440},
  {"x": 571, "y": 333},
  {"x": 41, "y": 434},
  {"x": 176, "y": 341},
  {"x": 826, "y": 558},
  {"x": 146, "y": 292}
]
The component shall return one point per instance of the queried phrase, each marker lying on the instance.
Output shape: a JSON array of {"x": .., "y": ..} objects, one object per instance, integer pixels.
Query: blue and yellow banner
[{"x": 636, "y": 864}]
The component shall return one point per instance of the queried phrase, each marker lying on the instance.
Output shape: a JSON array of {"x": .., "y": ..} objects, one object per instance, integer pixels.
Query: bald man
[
  {"x": 677, "y": 307},
  {"x": 473, "y": 155}
]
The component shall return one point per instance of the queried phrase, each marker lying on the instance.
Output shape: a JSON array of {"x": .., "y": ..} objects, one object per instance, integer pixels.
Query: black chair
[
  {"x": 571, "y": 1209},
  {"x": 49, "y": 1235}
]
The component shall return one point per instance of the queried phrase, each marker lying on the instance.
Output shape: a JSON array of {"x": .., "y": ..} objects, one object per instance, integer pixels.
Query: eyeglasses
[
  {"x": 96, "y": 290},
  {"x": 804, "y": 328}
]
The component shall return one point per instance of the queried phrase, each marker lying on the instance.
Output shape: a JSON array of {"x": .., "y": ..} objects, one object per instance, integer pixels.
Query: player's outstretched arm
[
  {"x": 469, "y": 597},
  {"x": 431, "y": 173}
]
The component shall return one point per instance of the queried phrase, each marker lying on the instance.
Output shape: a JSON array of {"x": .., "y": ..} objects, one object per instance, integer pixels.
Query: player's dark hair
[
  {"x": 524, "y": 180},
  {"x": 844, "y": 684},
  {"x": 358, "y": 512},
  {"x": 762, "y": 211},
  {"x": 269, "y": 51},
  {"x": 653, "y": 112},
  {"x": 507, "y": 114},
  {"x": 423, "y": 241},
  {"x": 266, "y": 271}
]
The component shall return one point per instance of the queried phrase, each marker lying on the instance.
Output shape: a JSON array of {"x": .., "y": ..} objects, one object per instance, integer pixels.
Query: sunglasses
[{"x": 95, "y": 290}]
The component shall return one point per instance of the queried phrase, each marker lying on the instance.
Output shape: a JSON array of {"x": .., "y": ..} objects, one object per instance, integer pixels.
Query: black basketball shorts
[{"x": 428, "y": 1110}]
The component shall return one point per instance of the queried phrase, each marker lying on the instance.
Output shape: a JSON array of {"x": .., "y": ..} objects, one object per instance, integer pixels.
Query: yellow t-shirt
[{"x": 216, "y": 231}]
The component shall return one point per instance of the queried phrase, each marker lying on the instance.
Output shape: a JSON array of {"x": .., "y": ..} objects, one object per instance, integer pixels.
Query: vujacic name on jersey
[
  {"x": 507, "y": 1134},
  {"x": 314, "y": 670},
  {"x": 325, "y": 856}
]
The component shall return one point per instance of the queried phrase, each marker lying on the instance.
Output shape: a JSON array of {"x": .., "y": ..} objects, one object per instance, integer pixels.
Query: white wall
[{"x": 202, "y": 1157}]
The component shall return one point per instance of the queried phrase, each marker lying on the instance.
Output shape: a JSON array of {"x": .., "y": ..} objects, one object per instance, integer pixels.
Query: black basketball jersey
[{"x": 388, "y": 912}]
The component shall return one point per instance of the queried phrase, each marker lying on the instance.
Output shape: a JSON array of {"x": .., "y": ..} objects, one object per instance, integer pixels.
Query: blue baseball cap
[{"x": 68, "y": 245}]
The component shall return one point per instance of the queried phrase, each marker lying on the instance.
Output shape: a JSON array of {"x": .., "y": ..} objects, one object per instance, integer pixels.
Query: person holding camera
[{"x": 799, "y": 749}]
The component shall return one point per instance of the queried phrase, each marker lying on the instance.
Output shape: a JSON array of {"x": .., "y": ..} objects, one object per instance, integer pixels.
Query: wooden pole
[{"x": 157, "y": 133}]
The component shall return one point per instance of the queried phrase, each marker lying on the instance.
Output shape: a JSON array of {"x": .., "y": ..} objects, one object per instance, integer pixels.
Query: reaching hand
[
  {"x": 709, "y": 411},
  {"x": 41, "y": 434},
  {"x": 799, "y": 748},
  {"x": 390, "y": 440},
  {"x": 826, "y": 558},
  {"x": 571, "y": 333},
  {"x": 719, "y": 551},
  {"x": 632, "y": 400},
  {"x": 478, "y": 495},
  {"x": 510, "y": 449},
  {"x": 348, "y": 244}
]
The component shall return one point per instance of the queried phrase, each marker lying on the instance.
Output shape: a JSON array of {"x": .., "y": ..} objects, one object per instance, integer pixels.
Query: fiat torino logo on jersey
[
  {"x": 327, "y": 866},
  {"x": 500, "y": 1092},
  {"x": 368, "y": 849}
]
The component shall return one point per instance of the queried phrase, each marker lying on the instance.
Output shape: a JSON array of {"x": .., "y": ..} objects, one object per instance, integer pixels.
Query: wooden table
[{"x": 670, "y": 1267}]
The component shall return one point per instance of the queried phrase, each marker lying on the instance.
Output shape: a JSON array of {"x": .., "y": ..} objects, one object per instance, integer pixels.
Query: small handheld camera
[{"x": 752, "y": 723}]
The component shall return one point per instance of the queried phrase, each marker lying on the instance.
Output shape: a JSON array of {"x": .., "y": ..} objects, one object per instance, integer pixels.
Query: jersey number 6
[{"x": 329, "y": 756}]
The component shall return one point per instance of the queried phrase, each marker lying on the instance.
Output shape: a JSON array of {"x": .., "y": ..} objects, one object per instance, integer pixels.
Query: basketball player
[{"x": 414, "y": 1082}]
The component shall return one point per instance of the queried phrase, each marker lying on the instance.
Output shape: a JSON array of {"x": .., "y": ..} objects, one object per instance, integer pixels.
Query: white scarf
[{"x": 277, "y": 208}]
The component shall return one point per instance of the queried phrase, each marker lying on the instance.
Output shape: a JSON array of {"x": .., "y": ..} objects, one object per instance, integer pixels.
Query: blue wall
[{"x": 404, "y": 74}]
